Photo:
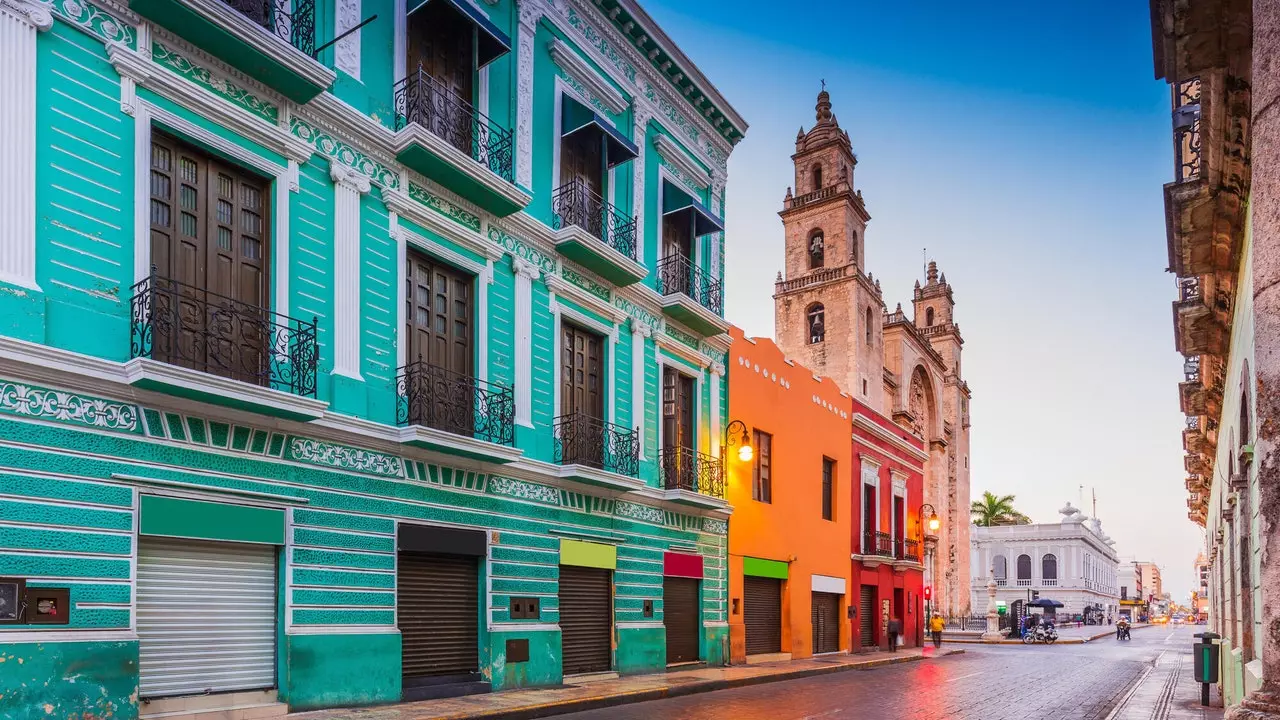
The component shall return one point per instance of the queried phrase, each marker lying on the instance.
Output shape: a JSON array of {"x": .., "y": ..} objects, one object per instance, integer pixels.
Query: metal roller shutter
[
  {"x": 680, "y": 615},
  {"x": 867, "y": 616},
  {"x": 206, "y": 617},
  {"x": 437, "y": 607},
  {"x": 586, "y": 619},
  {"x": 762, "y": 603},
  {"x": 826, "y": 622}
]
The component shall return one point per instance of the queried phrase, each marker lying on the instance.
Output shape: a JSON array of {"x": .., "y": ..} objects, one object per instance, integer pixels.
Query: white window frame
[
  {"x": 665, "y": 176},
  {"x": 699, "y": 380},
  {"x": 610, "y": 333},
  {"x": 483, "y": 273},
  {"x": 869, "y": 465}
]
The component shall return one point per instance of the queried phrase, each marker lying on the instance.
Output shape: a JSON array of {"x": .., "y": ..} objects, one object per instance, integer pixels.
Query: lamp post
[
  {"x": 745, "y": 451},
  {"x": 930, "y": 524}
]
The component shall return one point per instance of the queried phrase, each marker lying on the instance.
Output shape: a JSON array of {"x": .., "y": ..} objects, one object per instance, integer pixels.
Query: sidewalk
[
  {"x": 525, "y": 704},
  {"x": 1168, "y": 691},
  {"x": 1066, "y": 636}
]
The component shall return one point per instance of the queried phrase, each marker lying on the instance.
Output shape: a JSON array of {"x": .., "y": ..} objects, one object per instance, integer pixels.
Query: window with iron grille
[
  {"x": 828, "y": 487},
  {"x": 762, "y": 481}
]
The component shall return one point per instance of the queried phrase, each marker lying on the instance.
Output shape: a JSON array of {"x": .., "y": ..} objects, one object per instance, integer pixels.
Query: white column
[
  {"x": 639, "y": 331},
  {"x": 531, "y": 12},
  {"x": 482, "y": 320},
  {"x": 717, "y": 372},
  {"x": 637, "y": 182},
  {"x": 348, "y": 187},
  {"x": 526, "y": 273},
  {"x": 19, "y": 23}
]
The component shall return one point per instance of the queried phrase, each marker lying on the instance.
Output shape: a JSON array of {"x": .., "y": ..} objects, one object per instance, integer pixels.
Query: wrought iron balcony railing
[
  {"x": 191, "y": 327},
  {"x": 421, "y": 99},
  {"x": 583, "y": 440},
  {"x": 687, "y": 469},
  {"x": 877, "y": 543},
  {"x": 434, "y": 397},
  {"x": 575, "y": 204},
  {"x": 1186, "y": 129},
  {"x": 1191, "y": 369},
  {"x": 678, "y": 274},
  {"x": 1189, "y": 291},
  {"x": 293, "y": 21},
  {"x": 906, "y": 549}
]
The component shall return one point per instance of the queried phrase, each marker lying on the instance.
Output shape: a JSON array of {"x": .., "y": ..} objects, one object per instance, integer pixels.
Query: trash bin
[{"x": 1207, "y": 656}]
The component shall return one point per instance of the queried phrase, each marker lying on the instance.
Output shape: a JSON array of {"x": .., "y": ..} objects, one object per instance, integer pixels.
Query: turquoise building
[{"x": 354, "y": 351}]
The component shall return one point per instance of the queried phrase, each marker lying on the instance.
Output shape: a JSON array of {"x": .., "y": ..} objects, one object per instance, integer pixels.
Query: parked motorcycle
[
  {"x": 1122, "y": 630},
  {"x": 1046, "y": 634}
]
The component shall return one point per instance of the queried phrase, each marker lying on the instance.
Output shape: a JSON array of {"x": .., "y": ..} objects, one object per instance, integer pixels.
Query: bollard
[{"x": 1206, "y": 655}]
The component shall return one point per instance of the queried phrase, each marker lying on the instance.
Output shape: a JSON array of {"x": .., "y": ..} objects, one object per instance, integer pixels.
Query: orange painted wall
[{"x": 809, "y": 418}]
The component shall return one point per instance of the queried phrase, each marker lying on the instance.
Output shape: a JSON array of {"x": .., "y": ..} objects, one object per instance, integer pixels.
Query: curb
[{"x": 674, "y": 691}]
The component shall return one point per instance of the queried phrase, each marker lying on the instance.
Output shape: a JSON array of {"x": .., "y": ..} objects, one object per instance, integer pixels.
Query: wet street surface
[{"x": 988, "y": 682}]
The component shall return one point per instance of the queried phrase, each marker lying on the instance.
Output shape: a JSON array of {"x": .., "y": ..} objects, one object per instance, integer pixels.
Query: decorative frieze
[
  {"x": 520, "y": 248},
  {"x": 226, "y": 89},
  {"x": 636, "y": 511},
  {"x": 600, "y": 43},
  {"x": 45, "y": 404},
  {"x": 714, "y": 526},
  {"x": 598, "y": 289},
  {"x": 316, "y": 452},
  {"x": 524, "y": 490},
  {"x": 674, "y": 332},
  {"x": 342, "y": 153},
  {"x": 637, "y": 312},
  {"x": 443, "y": 206},
  {"x": 97, "y": 22}
]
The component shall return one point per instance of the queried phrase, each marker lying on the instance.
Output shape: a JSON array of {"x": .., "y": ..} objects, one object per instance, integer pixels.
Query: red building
[{"x": 889, "y": 552}]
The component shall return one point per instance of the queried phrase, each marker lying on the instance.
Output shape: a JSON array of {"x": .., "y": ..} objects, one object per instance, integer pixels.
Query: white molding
[
  {"x": 688, "y": 497},
  {"x": 564, "y": 288},
  {"x": 638, "y": 624},
  {"x": 577, "y": 68},
  {"x": 590, "y": 323},
  {"x": 866, "y": 423},
  {"x": 679, "y": 299},
  {"x": 638, "y": 190},
  {"x": 639, "y": 376},
  {"x": 671, "y": 151},
  {"x": 402, "y": 259},
  {"x": 142, "y": 192},
  {"x": 20, "y": 24},
  {"x": 143, "y": 71},
  {"x": 717, "y": 372},
  {"x": 194, "y": 491},
  {"x": 526, "y": 273},
  {"x": 57, "y": 636},
  {"x": 415, "y": 134},
  {"x": 154, "y": 371},
  {"x": 343, "y": 630},
  {"x": 522, "y": 627},
  {"x": 264, "y": 41},
  {"x": 415, "y": 211},
  {"x": 431, "y": 247},
  {"x": 679, "y": 349},
  {"x": 531, "y": 13},
  {"x": 347, "y": 314},
  {"x": 423, "y": 434},
  {"x": 579, "y": 236}
]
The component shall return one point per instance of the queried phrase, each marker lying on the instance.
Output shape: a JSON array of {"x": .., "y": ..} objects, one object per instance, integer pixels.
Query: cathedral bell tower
[{"x": 827, "y": 309}]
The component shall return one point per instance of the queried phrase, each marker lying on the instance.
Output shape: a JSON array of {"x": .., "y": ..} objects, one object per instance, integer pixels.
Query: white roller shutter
[{"x": 206, "y": 617}]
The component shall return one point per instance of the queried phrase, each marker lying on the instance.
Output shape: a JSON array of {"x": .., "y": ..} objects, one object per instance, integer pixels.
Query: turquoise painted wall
[
  {"x": 46, "y": 680},
  {"x": 340, "y": 670}
]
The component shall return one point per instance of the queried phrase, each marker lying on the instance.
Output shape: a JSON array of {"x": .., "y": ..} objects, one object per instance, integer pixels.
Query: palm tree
[{"x": 994, "y": 510}]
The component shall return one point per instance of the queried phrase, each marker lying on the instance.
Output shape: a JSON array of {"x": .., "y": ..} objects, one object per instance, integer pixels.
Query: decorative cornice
[
  {"x": 681, "y": 350},
  {"x": 579, "y": 70},
  {"x": 442, "y": 205},
  {"x": 38, "y": 14},
  {"x": 433, "y": 219},
  {"x": 671, "y": 151},
  {"x": 232, "y": 91},
  {"x": 344, "y": 177},
  {"x": 566, "y": 289},
  {"x": 339, "y": 151},
  {"x": 525, "y": 268},
  {"x": 866, "y": 423}
]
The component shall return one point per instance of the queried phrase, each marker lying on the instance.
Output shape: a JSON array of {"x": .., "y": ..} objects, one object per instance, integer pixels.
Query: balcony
[
  {"x": 1197, "y": 329},
  {"x": 197, "y": 344},
  {"x": 444, "y": 137},
  {"x": 906, "y": 551},
  {"x": 454, "y": 413},
  {"x": 595, "y": 234},
  {"x": 691, "y": 477},
  {"x": 272, "y": 41},
  {"x": 597, "y": 452},
  {"x": 1049, "y": 582},
  {"x": 1198, "y": 399},
  {"x": 879, "y": 544},
  {"x": 1186, "y": 130},
  {"x": 691, "y": 295},
  {"x": 1024, "y": 582}
]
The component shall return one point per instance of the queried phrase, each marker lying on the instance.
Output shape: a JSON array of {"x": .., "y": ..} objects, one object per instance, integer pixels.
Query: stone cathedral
[{"x": 831, "y": 317}]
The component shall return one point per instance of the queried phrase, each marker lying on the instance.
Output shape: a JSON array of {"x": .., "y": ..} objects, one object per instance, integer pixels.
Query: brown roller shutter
[
  {"x": 826, "y": 622},
  {"x": 680, "y": 615},
  {"x": 437, "y": 603},
  {"x": 586, "y": 619},
  {"x": 762, "y": 601},
  {"x": 867, "y": 616}
]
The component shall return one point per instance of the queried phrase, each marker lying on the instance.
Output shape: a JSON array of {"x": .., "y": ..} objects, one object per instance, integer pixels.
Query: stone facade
[{"x": 830, "y": 315}]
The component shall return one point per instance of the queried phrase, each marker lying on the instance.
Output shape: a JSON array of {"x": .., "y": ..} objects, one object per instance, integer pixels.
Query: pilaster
[
  {"x": 637, "y": 184},
  {"x": 21, "y": 300},
  {"x": 531, "y": 12},
  {"x": 639, "y": 331},
  {"x": 717, "y": 372},
  {"x": 349, "y": 395},
  {"x": 526, "y": 272}
]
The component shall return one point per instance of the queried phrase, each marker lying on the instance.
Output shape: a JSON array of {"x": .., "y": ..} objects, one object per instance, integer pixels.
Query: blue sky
[{"x": 1025, "y": 146}]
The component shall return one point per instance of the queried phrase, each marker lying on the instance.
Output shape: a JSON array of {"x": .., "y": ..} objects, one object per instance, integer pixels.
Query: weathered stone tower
[{"x": 827, "y": 308}]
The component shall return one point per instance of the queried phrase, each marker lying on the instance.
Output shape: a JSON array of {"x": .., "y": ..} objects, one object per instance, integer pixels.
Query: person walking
[{"x": 936, "y": 625}]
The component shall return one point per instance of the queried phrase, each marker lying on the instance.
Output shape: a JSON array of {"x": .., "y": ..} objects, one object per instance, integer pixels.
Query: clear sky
[{"x": 1025, "y": 146}]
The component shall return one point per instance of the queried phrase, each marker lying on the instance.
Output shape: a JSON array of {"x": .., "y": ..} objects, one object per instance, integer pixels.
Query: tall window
[
  {"x": 1049, "y": 567},
  {"x": 1024, "y": 567},
  {"x": 817, "y": 326},
  {"x": 828, "y": 487},
  {"x": 762, "y": 480},
  {"x": 1000, "y": 567},
  {"x": 817, "y": 177},
  {"x": 928, "y": 317},
  {"x": 817, "y": 250},
  {"x": 867, "y": 323}
]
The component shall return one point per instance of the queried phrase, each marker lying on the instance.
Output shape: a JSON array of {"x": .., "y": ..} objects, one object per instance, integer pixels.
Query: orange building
[{"x": 789, "y": 565}]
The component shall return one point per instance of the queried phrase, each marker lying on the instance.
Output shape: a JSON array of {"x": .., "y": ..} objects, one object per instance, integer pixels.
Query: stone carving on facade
[
  {"x": 317, "y": 452},
  {"x": 524, "y": 490},
  {"x": 916, "y": 404},
  {"x": 45, "y": 404},
  {"x": 531, "y": 12},
  {"x": 346, "y": 52},
  {"x": 636, "y": 511}
]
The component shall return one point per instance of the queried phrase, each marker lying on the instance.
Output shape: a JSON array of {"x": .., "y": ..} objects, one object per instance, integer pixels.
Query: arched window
[
  {"x": 1245, "y": 420},
  {"x": 817, "y": 326},
  {"x": 853, "y": 248},
  {"x": 817, "y": 250},
  {"x": 867, "y": 323},
  {"x": 1000, "y": 567},
  {"x": 817, "y": 177},
  {"x": 928, "y": 317},
  {"x": 1024, "y": 567},
  {"x": 1049, "y": 567}
]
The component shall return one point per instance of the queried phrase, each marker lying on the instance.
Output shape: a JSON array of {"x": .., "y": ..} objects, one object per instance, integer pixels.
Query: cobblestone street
[{"x": 1089, "y": 681}]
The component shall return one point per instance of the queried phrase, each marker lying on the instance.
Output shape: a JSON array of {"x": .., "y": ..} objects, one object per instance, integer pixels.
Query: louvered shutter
[
  {"x": 867, "y": 616},
  {"x": 762, "y": 602},
  {"x": 206, "y": 617},
  {"x": 586, "y": 619},
  {"x": 826, "y": 622},
  {"x": 680, "y": 615},
  {"x": 437, "y": 608}
]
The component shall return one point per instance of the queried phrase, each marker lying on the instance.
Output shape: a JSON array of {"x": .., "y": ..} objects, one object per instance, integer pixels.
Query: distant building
[
  {"x": 1073, "y": 562},
  {"x": 1200, "y": 596},
  {"x": 1152, "y": 585}
]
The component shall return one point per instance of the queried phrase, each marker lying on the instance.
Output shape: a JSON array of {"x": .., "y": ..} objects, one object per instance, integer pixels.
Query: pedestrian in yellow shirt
[{"x": 936, "y": 625}]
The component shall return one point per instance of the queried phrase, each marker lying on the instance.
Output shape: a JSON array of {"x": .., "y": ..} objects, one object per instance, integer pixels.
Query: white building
[{"x": 1073, "y": 562}]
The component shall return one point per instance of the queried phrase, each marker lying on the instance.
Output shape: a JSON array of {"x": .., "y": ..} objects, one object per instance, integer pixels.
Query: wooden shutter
[
  {"x": 581, "y": 372},
  {"x": 586, "y": 619},
  {"x": 828, "y": 487},
  {"x": 762, "y": 487},
  {"x": 438, "y": 611},
  {"x": 677, "y": 409},
  {"x": 438, "y": 314},
  {"x": 677, "y": 235},
  {"x": 582, "y": 158},
  {"x": 867, "y": 616},
  {"x": 442, "y": 41},
  {"x": 681, "y": 617},
  {"x": 762, "y": 606},
  {"x": 826, "y": 622}
]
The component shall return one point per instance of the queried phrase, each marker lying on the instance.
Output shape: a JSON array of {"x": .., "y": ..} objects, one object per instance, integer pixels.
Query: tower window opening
[
  {"x": 928, "y": 317},
  {"x": 817, "y": 177},
  {"x": 817, "y": 250},
  {"x": 817, "y": 328}
]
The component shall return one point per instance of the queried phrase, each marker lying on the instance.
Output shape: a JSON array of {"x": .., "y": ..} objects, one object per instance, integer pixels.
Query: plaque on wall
[
  {"x": 48, "y": 606},
  {"x": 12, "y": 594}
]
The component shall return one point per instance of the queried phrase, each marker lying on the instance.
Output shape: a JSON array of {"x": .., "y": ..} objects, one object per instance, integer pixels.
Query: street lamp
[
  {"x": 930, "y": 537},
  {"x": 745, "y": 451}
]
